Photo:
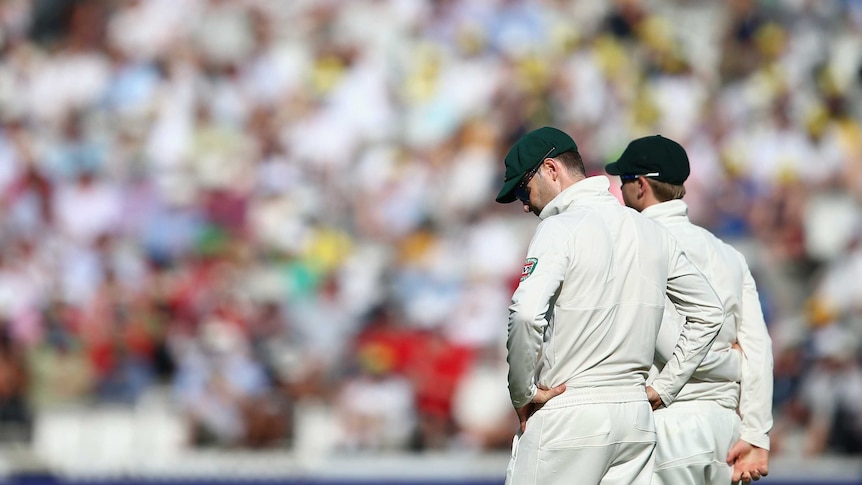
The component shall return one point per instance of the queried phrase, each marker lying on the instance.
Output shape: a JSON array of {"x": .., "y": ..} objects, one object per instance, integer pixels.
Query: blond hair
[{"x": 664, "y": 191}]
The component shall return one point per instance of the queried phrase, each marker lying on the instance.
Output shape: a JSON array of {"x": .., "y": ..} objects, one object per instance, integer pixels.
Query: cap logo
[{"x": 529, "y": 266}]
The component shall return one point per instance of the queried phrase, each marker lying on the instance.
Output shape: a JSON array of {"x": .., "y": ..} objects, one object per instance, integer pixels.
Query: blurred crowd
[{"x": 261, "y": 206}]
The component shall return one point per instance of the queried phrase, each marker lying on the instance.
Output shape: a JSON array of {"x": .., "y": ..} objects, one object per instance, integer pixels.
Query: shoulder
[
  {"x": 655, "y": 227},
  {"x": 568, "y": 220},
  {"x": 703, "y": 241},
  {"x": 554, "y": 231},
  {"x": 719, "y": 245}
]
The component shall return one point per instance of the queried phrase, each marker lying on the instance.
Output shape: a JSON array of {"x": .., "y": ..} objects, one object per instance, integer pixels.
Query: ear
[
  {"x": 643, "y": 186},
  {"x": 553, "y": 168}
]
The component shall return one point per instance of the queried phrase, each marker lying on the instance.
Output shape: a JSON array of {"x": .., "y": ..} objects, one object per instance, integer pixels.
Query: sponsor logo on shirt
[{"x": 529, "y": 266}]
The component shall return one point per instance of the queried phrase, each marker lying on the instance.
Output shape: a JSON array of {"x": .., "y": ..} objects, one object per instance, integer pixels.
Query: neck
[
  {"x": 570, "y": 180},
  {"x": 648, "y": 200}
]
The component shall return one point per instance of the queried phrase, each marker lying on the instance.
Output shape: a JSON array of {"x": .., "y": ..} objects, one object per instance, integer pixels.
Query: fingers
[
  {"x": 759, "y": 472},
  {"x": 524, "y": 413},
  {"x": 738, "y": 451},
  {"x": 749, "y": 463},
  {"x": 556, "y": 391},
  {"x": 654, "y": 398},
  {"x": 747, "y": 476},
  {"x": 543, "y": 395},
  {"x": 732, "y": 456}
]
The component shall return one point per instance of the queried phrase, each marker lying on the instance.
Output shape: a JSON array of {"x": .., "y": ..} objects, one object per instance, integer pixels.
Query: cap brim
[
  {"x": 613, "y": 168},
  {"x": 507, "y": 193}
]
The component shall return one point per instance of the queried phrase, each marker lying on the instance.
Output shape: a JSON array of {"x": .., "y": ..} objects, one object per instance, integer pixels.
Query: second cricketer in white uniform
[
  {"x": 584, "y": 321},
  {"x": 700, "y": 432}
]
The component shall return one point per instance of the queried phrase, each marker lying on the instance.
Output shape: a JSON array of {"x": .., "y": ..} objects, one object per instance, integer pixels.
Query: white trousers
[
  {"x": 693, "y": 440},
  {"x": 587, "y": 437}
]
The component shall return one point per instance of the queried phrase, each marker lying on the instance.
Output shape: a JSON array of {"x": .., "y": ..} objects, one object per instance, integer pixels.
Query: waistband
[
  {"x": 699, "y": 405},
  {"x": 597, "y": 395}
]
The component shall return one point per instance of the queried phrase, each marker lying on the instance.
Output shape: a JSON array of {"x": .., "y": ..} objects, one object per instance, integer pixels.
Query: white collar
[
  {"x": 588, "y": 188},
  {"x": 667, "y": 211}
]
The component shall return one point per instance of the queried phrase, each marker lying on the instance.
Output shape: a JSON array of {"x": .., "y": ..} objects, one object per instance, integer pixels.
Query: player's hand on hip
[
  {"x": 542, "y": 396},
  {"x": 750, "y": 462},
  {"x": 654, "y": 399}
]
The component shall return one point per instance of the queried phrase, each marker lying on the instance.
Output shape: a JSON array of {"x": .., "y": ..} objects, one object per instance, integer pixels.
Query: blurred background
[{"x": 258, "y": 238}]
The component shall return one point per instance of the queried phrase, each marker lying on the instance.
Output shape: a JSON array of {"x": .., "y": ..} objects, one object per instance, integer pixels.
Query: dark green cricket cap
[
  {"x": 528, "y": 152},
  {"x": 653, "y": 154}
]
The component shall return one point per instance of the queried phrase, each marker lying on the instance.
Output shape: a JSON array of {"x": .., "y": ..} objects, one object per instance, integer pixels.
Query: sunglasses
[
  {"x": 521, "y": 192},
  {"x": 629, "y": 177}
]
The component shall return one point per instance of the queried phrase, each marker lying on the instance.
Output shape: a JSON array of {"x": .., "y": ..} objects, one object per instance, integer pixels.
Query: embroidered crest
[{"x": 529, "y": 266}]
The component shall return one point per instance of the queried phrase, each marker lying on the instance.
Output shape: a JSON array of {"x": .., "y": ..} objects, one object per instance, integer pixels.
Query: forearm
[
  {"x": 696, "y": 300},
  {"x": 755, "y": 402},
  {"x": 528, "y": 312},
  {"x": 694, "y": 343},
  {"x": 523, "y": 345}
]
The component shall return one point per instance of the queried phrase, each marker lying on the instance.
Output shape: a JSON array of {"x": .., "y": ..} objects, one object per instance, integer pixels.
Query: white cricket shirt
[
  {"x": 727, "y": 271},
  {"x": 591, "y": 298}
]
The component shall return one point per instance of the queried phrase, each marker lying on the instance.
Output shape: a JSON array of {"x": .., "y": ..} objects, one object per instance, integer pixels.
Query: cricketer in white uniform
[
  {"x": 584, "y": 320},
  {"x": 700, "y": 433}
]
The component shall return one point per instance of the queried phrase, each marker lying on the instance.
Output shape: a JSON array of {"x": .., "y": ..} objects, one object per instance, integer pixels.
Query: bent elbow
[{"x": 523, "y": 322}]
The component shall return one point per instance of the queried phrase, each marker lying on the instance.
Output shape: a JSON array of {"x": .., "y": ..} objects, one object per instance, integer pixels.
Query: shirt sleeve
[
  {"x": 542, "y": 276},
  {"x": 717, "y": 366},
  {"x": 696, "y": 300},
  {"x": 755, "y": 399}
]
